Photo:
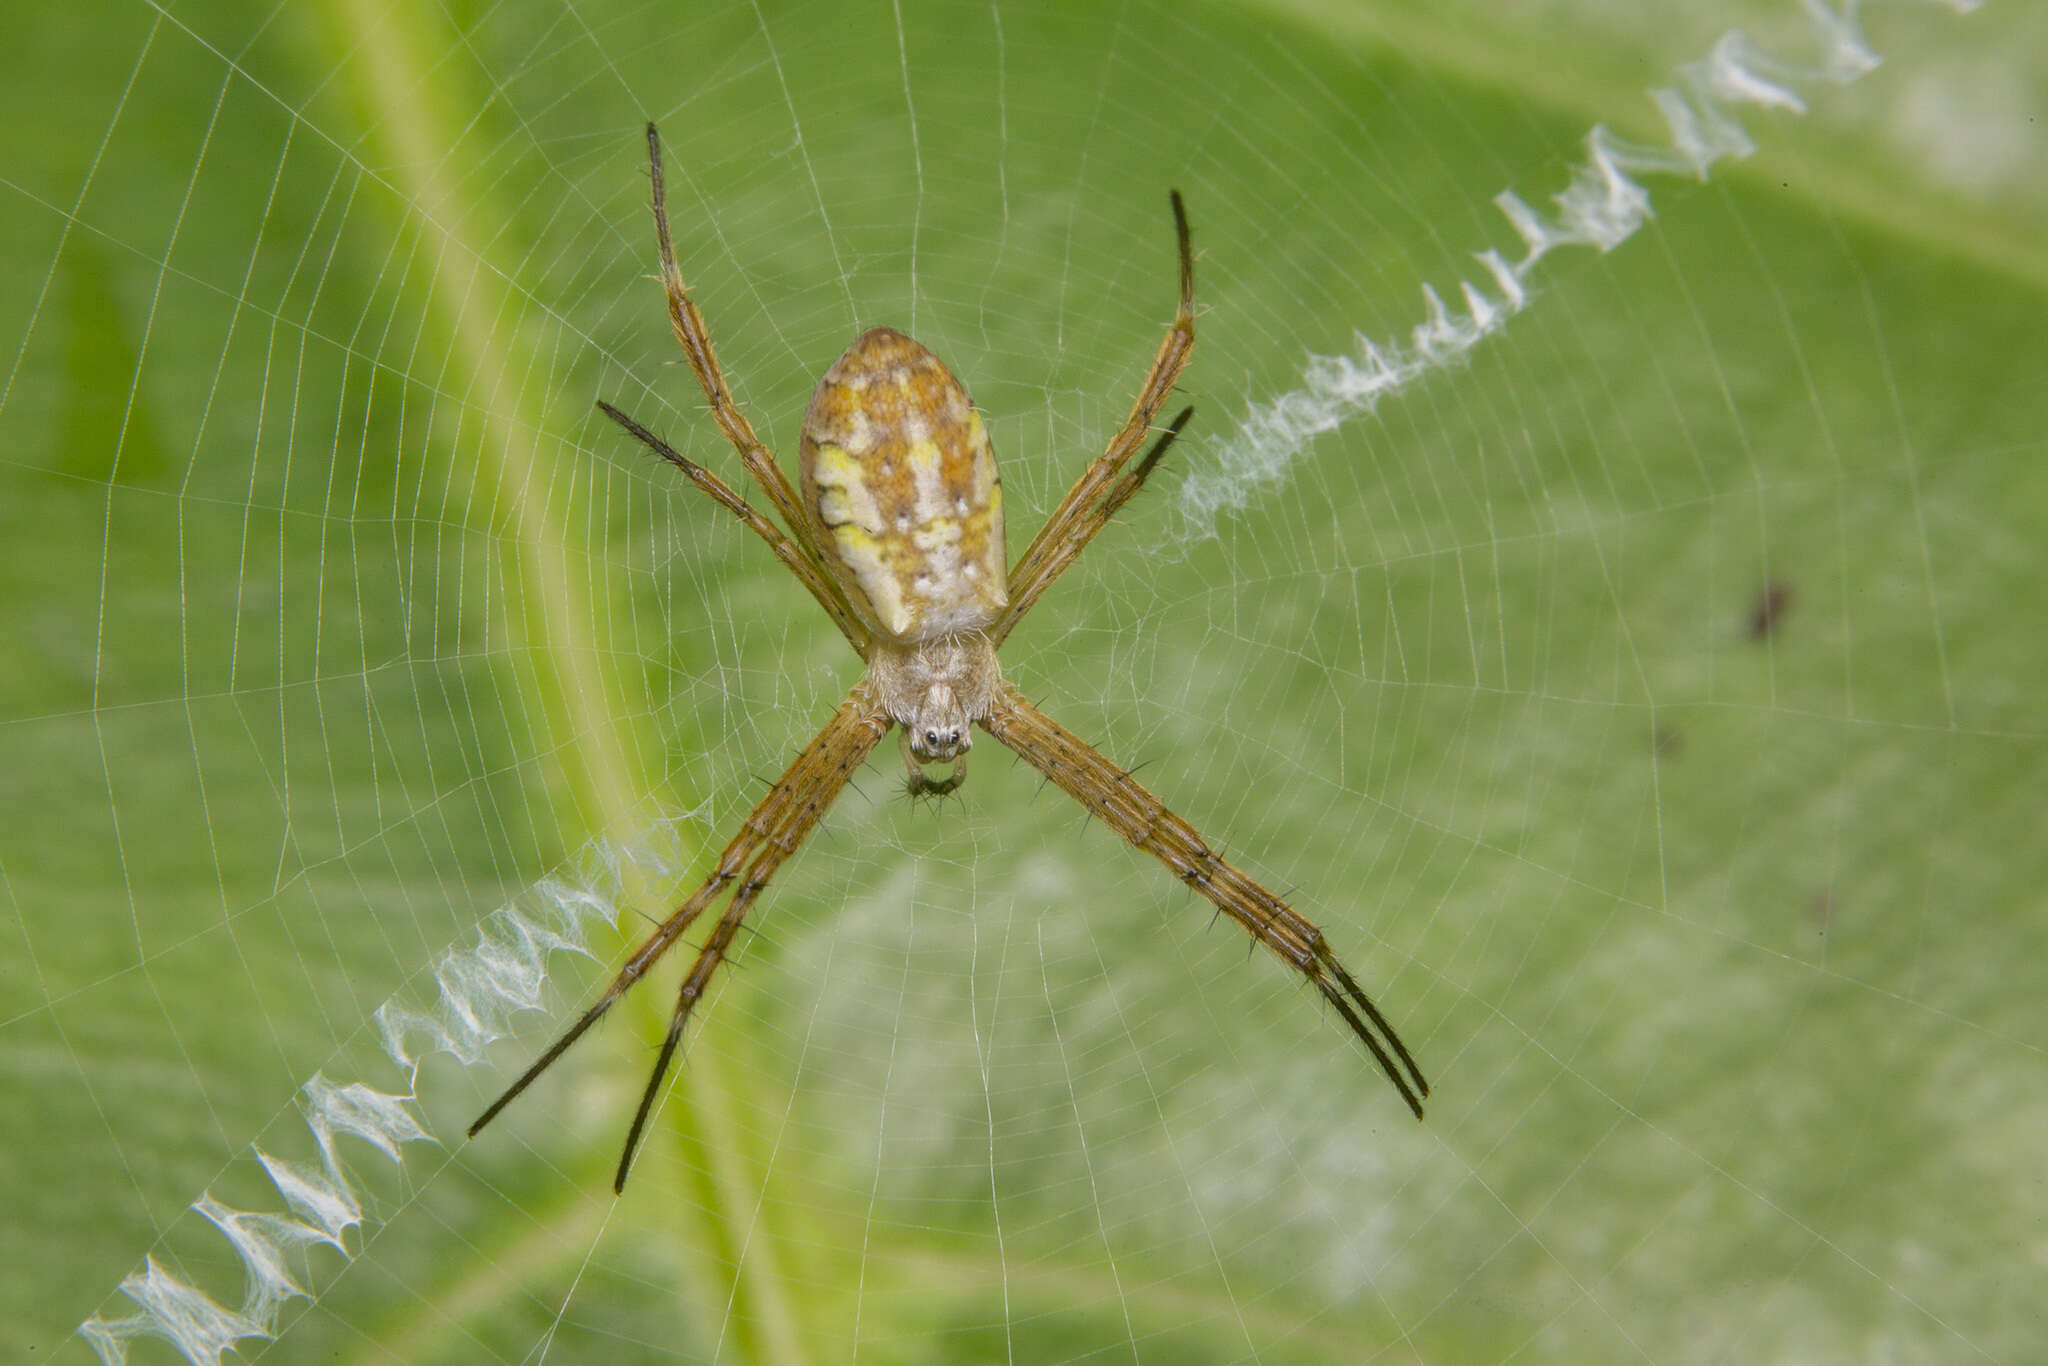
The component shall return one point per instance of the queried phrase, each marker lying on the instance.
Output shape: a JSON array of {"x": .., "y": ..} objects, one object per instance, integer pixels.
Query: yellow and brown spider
[{"x": 899, "y": 536}]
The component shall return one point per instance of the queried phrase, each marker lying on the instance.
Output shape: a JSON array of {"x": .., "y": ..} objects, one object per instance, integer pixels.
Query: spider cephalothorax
[
  {"x": 898, "y": 534},
  {"x": 933, "y": 689}
]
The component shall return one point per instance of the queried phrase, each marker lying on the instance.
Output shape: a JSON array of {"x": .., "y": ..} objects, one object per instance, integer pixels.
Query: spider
[{"x": 898, "y": 534}]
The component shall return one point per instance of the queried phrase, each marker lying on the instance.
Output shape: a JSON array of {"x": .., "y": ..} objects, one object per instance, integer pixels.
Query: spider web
[{"x": 1599, "y": 588}]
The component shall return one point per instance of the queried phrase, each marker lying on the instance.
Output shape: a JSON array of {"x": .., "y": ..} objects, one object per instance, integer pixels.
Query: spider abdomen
[{"x": 898, "y": 470}]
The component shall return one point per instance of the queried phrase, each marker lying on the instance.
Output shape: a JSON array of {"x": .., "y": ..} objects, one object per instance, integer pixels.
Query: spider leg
[
  {"x": 1134, "y": 813},
  {"x": 716, "y": 946},
  {"x": 1071, "y": 525},
  {"x": 695, "y": 339},
  {"x": 790, "y": 811},
  {"x": 1095, "y": 519},
  {"x": 722, "y": 493}
]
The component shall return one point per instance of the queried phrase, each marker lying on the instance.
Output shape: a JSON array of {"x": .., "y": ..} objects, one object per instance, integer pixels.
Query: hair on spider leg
[
  {"x": 646, "y": 916},
  {"x": 751, "y": 932},
  {"x": 1132, "y": 771}
]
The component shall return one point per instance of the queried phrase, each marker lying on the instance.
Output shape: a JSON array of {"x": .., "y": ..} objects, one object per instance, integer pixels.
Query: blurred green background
[{"x": 335, "y": 620}]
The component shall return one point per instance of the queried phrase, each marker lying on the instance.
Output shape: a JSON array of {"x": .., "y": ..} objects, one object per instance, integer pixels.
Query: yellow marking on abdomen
[{"x": 905, "y": 489}]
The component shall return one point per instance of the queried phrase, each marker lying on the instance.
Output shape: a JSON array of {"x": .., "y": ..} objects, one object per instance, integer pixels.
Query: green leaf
[{"x": 1644, "y": 697}]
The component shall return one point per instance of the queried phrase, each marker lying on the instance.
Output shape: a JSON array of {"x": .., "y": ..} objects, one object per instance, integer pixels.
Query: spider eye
[{"x": 931, "y": 738}]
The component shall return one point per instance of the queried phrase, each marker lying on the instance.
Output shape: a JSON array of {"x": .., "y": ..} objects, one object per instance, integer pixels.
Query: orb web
[{"x": 1594, "y": 589}]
